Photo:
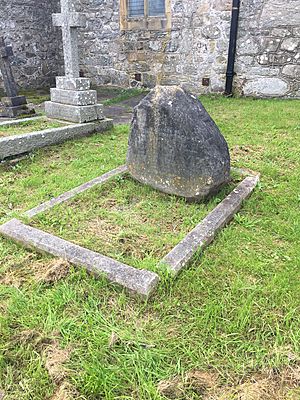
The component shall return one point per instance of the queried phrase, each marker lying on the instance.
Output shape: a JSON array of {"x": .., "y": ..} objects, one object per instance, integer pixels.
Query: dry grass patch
[
  {"x": 43, "y": 271},
  {"x": 55, "y": 357},
  {"x": 270, "y": 385},
  {"x": 65, "y": 392}
]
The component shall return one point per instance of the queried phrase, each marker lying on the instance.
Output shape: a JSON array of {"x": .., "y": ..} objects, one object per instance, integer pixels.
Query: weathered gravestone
[
  {"x": 72, "y": 99},
  {"x": 176, "y": 147},
  {"x": 12, "y": 105}
]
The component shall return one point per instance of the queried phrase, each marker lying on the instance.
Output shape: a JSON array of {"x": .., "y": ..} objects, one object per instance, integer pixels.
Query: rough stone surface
[
  {"x": 67, "y": 83},
  {"x": 27, "y": 24},
  {"x": 14, "y": 111},
  {"x": 79, "y": 114},
  {"x": 266, "y": 87},
  {"x": 74, "y": 97},
  {"x": 204, "y": 233},
  {"x": 14, "y": 101},
  {"x": 175, "y": 146},
  {"x": 138, "y": 281},
  {"x": 291, "y": 70},
  {"x": 20, "y": 144},
  {"x": 194, "y": 48}
]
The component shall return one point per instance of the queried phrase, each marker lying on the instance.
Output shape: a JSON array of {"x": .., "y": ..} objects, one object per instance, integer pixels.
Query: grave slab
[
  {"x": 19, "y": 144},
  {"x": 139, "y": 281},
  {"x": 204, "y": 233}
]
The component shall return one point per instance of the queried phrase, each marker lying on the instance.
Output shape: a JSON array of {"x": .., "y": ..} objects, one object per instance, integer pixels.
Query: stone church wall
[
  {"x": 196, "y": 48},
  {"x": 27, "y": 26},
  {"x": 192, "y": 53}
]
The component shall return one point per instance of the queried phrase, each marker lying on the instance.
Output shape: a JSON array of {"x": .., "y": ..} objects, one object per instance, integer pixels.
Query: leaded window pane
[
  {"x": 156, "y": 7},
  {"x": 136, "y": 8}
]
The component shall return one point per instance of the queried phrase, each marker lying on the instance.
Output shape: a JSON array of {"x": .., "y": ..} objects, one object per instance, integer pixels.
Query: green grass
[
  {"x": 29, "y": 126},
  {"x": 235, "y": 310},
  {"x": 122, "y": 219},
  {"x": 37, "y": 96},
  {"x": 123, "y": 94}
]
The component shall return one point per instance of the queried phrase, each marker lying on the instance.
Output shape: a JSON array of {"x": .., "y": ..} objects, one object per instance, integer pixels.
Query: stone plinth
[
  {"x": 72, "y": 100},
  {"x": 79, "y": 114},
  {"x": 12, "y": 107}
]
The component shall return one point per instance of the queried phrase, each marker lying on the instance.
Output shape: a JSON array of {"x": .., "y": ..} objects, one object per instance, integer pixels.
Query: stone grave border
[
  {"x": 15, "y": 145},
  {"x": 142, "y": 282},
  {"x": 12, "y": 122}
]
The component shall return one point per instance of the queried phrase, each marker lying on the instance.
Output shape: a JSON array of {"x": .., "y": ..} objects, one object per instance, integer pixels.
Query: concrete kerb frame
[
  {"x": 15, "y": 145},
  {"x": 142, "y": 282}
]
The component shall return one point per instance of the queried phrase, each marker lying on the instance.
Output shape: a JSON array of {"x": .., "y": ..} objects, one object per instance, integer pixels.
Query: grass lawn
[
  {"x": 29, "y": 126},
  {"x": 129, "y": 222},
  {"x": 228, "y": 328}
]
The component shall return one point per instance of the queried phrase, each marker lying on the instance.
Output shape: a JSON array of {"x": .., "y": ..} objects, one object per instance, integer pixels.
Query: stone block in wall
[
  {"x": 296, "y": 31},
  {"x": 155, "y": 45},
  {"x": 211, "y": 32},
  {"x": 292, "y": 71},
  {"x": 274, "y": 58},
  {"x": 247, "y": 45},
  {"x": 277, "y": 13},
  {"x": 137, "y": 56},
  {"x": 222, "y": 5},
  {"x": 149, "y": 80},
  {"x": 269, "y": 44},
  {"x": 290, "y": 44},
  {"x": 261, "y": 71},
  {"x": 266, "y": 87},
  {"x": 280, "y": 32}
]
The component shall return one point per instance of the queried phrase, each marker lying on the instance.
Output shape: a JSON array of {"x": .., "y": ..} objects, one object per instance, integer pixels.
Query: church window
[
  {"x": 153, "y": 15},
  {"x": 144, "y": 8}
]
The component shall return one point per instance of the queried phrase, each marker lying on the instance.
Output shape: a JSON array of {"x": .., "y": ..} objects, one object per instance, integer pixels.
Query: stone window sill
[{"x": 159, "y": 23}]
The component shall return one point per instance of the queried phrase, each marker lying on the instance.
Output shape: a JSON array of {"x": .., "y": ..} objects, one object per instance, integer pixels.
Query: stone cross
[
  {"x": 10, "y": 86},
  {"x": 72, "y": 100},
  {"x": 69, "y": 21}
]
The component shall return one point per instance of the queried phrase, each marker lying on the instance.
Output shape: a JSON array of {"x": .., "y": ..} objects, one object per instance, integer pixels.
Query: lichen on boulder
[{"x": 175, "y": 146}]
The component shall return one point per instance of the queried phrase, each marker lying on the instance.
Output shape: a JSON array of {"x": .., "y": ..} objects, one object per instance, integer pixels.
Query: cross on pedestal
[
  {"x": 72, "y": 100},
  {"x": 12, "y": 105},
  {"x": 10, "y": 86},
  {"x": 69, "y": 21}
]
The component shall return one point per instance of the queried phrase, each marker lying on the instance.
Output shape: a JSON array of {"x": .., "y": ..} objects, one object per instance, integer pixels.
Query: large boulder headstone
[{"x": 175, "y": 146}]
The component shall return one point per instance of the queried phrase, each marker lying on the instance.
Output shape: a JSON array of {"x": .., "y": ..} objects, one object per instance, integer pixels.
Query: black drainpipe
[{"x": 232, "y": 46}]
